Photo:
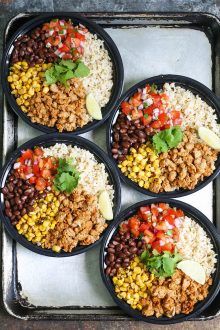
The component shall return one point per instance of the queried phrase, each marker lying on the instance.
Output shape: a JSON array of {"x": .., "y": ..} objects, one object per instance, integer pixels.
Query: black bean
[
  {"x": 118, "y": 247},
  {"x": 8, "y": 212},
  {"x": 125, "y": 264},
  {"x": 7, "y": 204},
  {"x": 111, "y": 257},
  {"x": 133, "y": 249},
  {"x": 108, "y": 270},
  {"x": 5, "y": 190},
  {"x": 111, "y": 250},
  {"x": 10, "y": 187},
  {"x": 23, "y": 211},
  {"x": 113, "y": 272}
]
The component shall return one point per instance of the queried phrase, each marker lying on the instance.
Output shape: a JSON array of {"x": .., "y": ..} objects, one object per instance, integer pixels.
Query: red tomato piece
[
  {"x": 163, "y": 118},
  {"x": 169, "y": 219},
  {"x": 143, "y": 227},
  {"x": 175, "y": 114},
  {"x": 136, "y": 114},
  {"x": 40, "y": 184},
  {"x": 38, "y": 151},
  {"x": 154, "y": 210},
  {"x": 161, "y": 226},
  {"x": 146, "y": 121},
  {"x": 135, "y": 232},
  {"x": 156, "y": 124},
  {"x": 163, "y": 206},
  {"x": 156, "y": 246},
  {"x": 64, "y": 49},
  {"x": 27, "y": 154},
  {"x": 167, "y": 247},
  {"x": 133, "y": 222},
  {"x": 36, "y": 169},
  {"x": 67, "y": 56},
  {"x": 32, "y": 180},
  {"x": 179, "y": 213},
  {"x": 149, "y": 110},
  {"x": 46, "y": 174},
  {"x": 76, "y": 42},
  {"x": 124, "y": 227},
  {"x": 80, "y": 36}
]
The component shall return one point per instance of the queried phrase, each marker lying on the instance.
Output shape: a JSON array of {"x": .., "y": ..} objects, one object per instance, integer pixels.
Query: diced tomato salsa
[
  {"x": 37, "y": 170},
  {"x": 66, "y": 38},
  {"x": 150, "y": 105},
  {"x": 157, "y": 225}
]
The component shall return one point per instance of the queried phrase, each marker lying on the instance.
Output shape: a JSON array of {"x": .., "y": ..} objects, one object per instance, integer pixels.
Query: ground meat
[
  {"x": 184, "y": 166},
  {"x": 61, "y": 107},
  {"x": 174, "y": 295},
  {"x": 79, "y": 222}
]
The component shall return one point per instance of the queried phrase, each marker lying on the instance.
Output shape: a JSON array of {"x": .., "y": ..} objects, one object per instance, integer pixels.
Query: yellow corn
[
  {"x": 26, "y": 81},
  {"x": 132, "y": 283},
  {"x": 141, "y": 166}
]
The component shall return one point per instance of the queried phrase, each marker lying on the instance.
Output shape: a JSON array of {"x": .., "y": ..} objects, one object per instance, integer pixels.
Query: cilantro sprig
[
  {"x": 65, "y": 70},
  {"x": 162, "y": 265},
  {"x": 167, "y": 139},
  {"x": 67, "y": 176}
]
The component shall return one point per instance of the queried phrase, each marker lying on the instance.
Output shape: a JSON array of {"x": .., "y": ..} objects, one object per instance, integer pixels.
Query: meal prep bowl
[
  {"x": 47, "y": 141},
  {"x": 118, "y": 70},
  {"x": 189, "y": 84},
  {"x": 197, "y": 216}
]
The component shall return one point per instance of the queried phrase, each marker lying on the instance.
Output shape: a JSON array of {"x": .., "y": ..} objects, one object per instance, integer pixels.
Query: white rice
[
  {"x": 100, "y": 80},
  {"x": 93, "y": 177},
  {"x": 195, "y": 111},
  {"x": 194, "y": 244}
]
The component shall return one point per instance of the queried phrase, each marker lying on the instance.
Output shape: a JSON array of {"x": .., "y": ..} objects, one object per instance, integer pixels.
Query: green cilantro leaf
[
  {"x": 162, "y": 265},
  {"x": 66, "y": 70},
  {"x": 50, "y": 76},
  {"x": 146, "y": 115},
  {"x": 167, "y": 139},
  {"x": 169, "y": 232},
  {"x": 81, "y": 71},
  {"x": 68, "y": 64},
  {"x": 145, "y": 104},
  {"x": 67, "y": 177}
]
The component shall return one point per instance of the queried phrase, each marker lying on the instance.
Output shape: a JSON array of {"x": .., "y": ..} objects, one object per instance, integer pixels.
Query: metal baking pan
[{"x": 38, "y": 287}]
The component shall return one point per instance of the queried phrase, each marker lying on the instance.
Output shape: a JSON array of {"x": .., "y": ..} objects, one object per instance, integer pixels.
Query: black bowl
[
  {"x": 118, "y": 70},
  {"x": 195, "y": 215},
  {"x": 46, "y": 141},
  {"x": 196, "y": 88}
]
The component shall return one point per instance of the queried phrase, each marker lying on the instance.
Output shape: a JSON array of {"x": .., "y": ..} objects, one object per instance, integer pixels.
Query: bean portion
[
  {"x": 126, "y": 134},
  {"x": 31, "y": 48},
  {"x": 19, "y": 197},
  {"x": 121, "y": 251}
]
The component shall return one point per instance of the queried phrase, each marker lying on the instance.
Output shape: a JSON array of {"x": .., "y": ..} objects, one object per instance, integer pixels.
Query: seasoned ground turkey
[
  {"x": 78, "y": 222},
  {"x": 174, "y": 295},
  {"x": 61, "y": 107},
  {"x": 184, "y": 166}
]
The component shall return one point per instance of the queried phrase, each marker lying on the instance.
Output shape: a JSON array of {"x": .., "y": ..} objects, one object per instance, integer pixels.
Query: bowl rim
[
  {"x": 118, "y": 69},
  {"x": 47, "y": 140},
  {"x": 190, "y": 84},
  {"x": 197, "y": 216}
]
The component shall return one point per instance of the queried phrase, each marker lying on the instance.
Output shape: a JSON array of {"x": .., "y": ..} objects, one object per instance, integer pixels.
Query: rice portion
[
  {"x": 100, "y": 80},
  {"x": 195, "y": 111},
  {"x": 194, "y": 244},
  {"x": 93, "y": 177}
]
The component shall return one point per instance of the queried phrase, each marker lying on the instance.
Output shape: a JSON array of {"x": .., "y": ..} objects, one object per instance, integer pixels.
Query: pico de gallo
[
  {"x": 150, "y": 106},
  {"x": 66, "y": 39},
  {"x": 39, "y": 171},
  {"x": 157, "y": 225}
]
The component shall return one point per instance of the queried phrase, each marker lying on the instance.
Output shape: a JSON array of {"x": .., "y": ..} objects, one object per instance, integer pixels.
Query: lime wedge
[
  {"x": 209, "y": 137},
  {"x": 105, "y": 206},
  {"x": 93, "y": 107},
  {"x": 193, "y": 269}
]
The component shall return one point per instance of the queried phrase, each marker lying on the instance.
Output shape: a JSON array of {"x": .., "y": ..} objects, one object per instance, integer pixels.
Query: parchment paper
[{"x": 146, "y": 52}]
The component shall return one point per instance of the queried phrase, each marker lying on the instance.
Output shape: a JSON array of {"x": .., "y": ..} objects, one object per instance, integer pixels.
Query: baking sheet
[{"x": 149, "y": 51}]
